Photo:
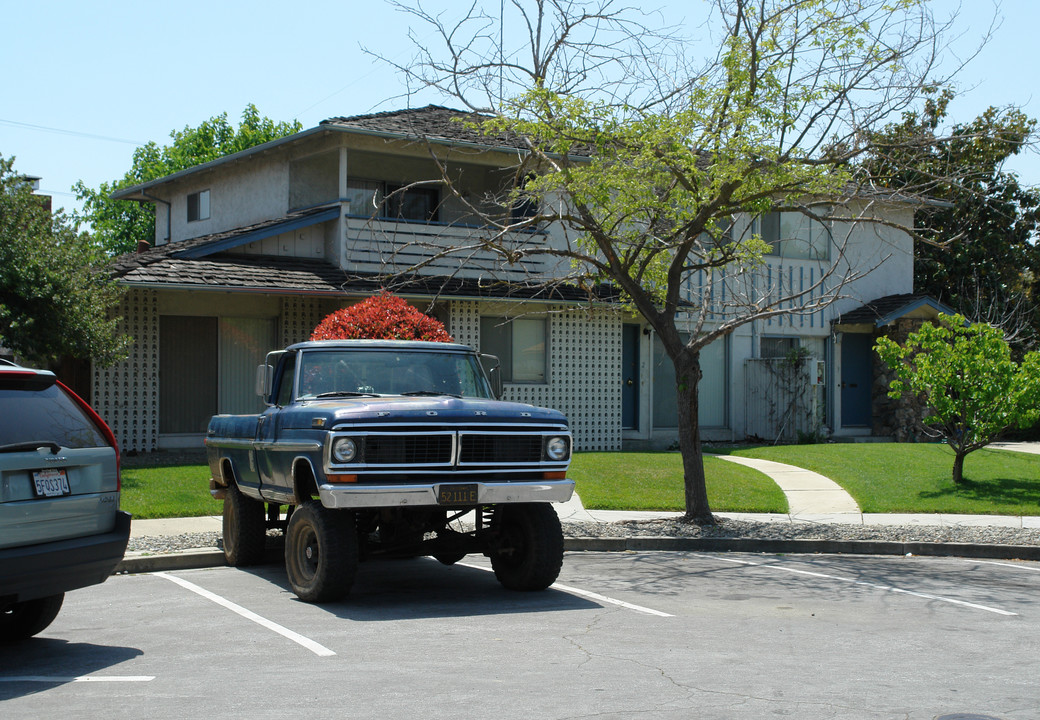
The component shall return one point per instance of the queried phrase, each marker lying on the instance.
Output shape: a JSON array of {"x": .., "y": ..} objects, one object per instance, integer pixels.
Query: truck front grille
[
  {"x": 408, "y": 450},
  {"x": 486, "y": 449},
  {"x": 396, "y": 449}
]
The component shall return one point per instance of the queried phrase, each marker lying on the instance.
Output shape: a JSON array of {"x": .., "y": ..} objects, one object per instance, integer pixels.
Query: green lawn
[
  {"x": 907, "y": 477},
  {"x": 654, "y": 481},
  {"x": 168, "y": 491},
  {"x": 882, "y": 477},
  {"x": 605, "y": 481}
]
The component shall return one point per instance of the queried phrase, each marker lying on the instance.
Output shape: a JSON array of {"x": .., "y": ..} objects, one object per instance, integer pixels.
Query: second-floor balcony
[{"x": 374, "y": 245}]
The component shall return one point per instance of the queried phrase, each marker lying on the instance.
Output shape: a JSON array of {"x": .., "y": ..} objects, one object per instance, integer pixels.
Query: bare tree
[{"x": 654, "y": 165}]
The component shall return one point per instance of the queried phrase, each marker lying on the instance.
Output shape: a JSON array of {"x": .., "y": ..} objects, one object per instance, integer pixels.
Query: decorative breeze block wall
[
  {"x": 584, "y": 369},
  {"x": 464, "y": 323},
  {"x": 300, "y": 315},
  {"x": 126, "y": 394}
]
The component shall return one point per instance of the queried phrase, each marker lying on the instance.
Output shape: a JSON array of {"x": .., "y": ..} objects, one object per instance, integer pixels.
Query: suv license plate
[
  {"x": 51, "y": 483},
  {"x": 457, "y": 494}
]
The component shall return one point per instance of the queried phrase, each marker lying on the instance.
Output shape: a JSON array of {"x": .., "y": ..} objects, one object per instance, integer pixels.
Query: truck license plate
[
  {"x": 457, "y": 494},
  {"x": 51, "y": 483}
]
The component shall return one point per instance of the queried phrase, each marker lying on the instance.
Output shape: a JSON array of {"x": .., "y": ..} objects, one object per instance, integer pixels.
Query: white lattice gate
[{"x": 783, "y": 398}]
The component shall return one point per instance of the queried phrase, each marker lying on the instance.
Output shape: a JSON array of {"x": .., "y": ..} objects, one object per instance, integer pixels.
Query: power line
[{"x": 74, "y": 133}]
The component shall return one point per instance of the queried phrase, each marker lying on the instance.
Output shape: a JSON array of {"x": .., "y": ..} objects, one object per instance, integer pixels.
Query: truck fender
[
  {"x": 305, "y": 484},
  {"x": 218, "y": 484}
]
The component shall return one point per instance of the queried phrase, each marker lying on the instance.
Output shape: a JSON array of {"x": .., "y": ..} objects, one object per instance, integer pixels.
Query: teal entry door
[
  {"x": 857, "y": 376},
  {"x": 630, "y": 338}
]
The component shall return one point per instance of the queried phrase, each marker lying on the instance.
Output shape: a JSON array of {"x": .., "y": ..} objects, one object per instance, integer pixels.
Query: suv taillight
[{"x": 110, "y": 436}]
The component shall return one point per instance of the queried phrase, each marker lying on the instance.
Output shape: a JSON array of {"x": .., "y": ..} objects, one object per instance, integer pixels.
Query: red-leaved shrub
[{"x": 380, "y": 317}]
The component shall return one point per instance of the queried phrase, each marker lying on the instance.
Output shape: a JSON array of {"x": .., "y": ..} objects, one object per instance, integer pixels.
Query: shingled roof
[
  {"x": 437, "y": 124},
  {"x": 188, "y": 265},
  {"x": 432, "y": 122},
  {"x": 887, "y": 309}
]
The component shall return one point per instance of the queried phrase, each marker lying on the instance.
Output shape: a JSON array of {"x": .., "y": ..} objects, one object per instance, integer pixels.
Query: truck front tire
[
  {"x": 245, "y": 528},
  {"x": 528, "y": 547},
  {"x": 321, "y": 552}
]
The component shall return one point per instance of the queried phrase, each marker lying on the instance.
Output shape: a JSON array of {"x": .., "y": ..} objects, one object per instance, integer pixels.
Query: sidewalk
[{"x": 574, "y": 511}]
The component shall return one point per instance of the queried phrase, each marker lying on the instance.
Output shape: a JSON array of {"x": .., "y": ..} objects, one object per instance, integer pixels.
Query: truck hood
[{"x": 433, "y": 410}]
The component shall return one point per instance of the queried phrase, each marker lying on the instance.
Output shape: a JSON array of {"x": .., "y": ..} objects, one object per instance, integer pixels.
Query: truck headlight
[
  {"x": 344, "y": 449},
  {"x": 557, "y": 448}
]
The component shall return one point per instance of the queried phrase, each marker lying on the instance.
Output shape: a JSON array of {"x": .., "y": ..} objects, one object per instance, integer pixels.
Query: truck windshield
[{"x": 390, "y": 372}]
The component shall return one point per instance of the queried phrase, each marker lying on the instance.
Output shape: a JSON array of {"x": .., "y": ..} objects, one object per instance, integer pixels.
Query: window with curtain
[
  {"x": 520, "y": 345},
  {"x": 796, "y": 236},
  {"x": 374, "y": 198},
  {"x": 711, "y": 391}
]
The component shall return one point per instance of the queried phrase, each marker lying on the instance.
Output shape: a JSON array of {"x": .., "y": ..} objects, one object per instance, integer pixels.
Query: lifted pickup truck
[{"x": 395, "y": 448}]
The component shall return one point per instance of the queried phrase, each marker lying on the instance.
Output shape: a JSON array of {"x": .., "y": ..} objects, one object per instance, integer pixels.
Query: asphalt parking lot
[{"x": 622, "y": 635}]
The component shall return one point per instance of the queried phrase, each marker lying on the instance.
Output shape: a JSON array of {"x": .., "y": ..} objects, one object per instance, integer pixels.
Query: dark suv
[{"x": 60, "y": 523}]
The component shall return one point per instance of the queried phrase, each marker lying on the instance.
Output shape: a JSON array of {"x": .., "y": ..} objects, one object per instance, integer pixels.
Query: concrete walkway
[
  {"x": 808, "y": 493},
  {"x": 1026, "y": 447}
]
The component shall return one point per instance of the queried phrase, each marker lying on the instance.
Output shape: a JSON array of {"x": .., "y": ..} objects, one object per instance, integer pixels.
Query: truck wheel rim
[{"x": 308, "y": 554}]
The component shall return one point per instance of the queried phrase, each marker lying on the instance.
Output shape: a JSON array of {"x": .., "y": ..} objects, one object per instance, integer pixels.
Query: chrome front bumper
[{"x": 345, "y": 495}]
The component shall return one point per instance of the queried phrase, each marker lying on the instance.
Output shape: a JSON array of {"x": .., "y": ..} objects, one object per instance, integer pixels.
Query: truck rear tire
[
  {"x": 321, "y": 552},
  {"x": 528, "y": 551},
  {"x": 29, "y": 617},
  {"x": 244, "y": 528}
]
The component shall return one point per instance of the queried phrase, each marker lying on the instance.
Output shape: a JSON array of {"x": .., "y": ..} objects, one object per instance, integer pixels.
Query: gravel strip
[{"x": 727, "y": 528}]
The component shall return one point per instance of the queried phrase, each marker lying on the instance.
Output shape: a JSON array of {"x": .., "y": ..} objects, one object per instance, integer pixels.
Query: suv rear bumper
[
  {"x": 34, "y": 571},
  {"x": 487, "y": 493}
]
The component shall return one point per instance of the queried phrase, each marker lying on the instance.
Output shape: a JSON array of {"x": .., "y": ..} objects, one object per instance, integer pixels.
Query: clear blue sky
[{"x": 85, "y": 82}]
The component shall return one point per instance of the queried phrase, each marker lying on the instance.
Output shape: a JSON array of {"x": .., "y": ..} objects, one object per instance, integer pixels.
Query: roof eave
[
  {"x": 931, "y": 303},
  {"x": 136, "y": 192}
]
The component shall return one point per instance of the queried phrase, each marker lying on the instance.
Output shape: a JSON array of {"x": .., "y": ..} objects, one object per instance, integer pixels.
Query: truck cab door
[{"x": 275, "y": 479}]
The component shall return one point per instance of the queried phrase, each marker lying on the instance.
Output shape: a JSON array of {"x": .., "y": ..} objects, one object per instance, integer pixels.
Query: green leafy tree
[
  {"x": 964, "y": 375},
  {"x": 978, "y": 251},
  {"x": 54, "y": 294},
  {"x": 645, "y": 157},
  {"x": 118, "y": 225}
]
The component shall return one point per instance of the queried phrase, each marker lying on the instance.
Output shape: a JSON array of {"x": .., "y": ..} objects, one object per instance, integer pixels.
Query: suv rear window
[{"x": 45, "y": 415}]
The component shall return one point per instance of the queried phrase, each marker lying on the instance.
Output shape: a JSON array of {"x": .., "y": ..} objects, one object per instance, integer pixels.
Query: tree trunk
[
  {"x": 687, "y": 378},
  {"x": 958, "y": 467}
]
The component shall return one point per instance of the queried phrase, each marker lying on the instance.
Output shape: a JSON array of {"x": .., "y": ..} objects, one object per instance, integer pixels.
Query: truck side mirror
[
  {"x": 264, "y": 375},
  {"x": 493, "y": 370}
]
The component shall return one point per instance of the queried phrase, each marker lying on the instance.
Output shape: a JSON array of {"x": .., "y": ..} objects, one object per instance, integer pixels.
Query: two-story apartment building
[{"x": 253, "y": 249}]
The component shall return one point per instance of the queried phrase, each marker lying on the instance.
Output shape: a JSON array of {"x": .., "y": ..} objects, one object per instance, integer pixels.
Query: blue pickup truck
[{"x": 389, "y": 448}]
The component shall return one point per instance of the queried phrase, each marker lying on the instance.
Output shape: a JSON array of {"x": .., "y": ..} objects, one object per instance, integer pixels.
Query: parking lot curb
[
  {"x": 204, "y": 558},
  {"x": 842, "y": 547},
  {"x": 181, "y": 560}
]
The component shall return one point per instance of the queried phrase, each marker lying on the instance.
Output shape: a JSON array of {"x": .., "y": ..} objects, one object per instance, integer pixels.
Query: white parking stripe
[
  {"x": 314, "y": 647},
  {"x": 79, "y": 678},
  {"x": 851, "y": 581},
  {"x": 612, "y": 601},
  {"x": 1016, "y": 566},
  {"x": 591, "y": 595}
]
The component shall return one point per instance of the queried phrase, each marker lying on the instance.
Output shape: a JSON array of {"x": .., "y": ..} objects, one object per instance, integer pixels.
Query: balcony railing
[{"x": 379, "y": 245}]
